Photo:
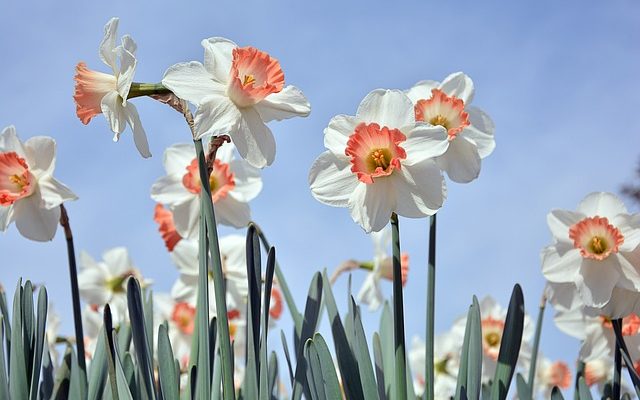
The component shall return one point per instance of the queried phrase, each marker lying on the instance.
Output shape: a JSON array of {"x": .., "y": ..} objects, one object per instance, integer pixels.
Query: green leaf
[
  {"x": 216, "y": 382},
  {"x": 264, "y": 366},
  {"x": 313, "y": 371},
  {"x": 124, "y": 393},
  {"x": 379, "y": 363},
  {"x": 140, "y": 338},
  {"x": 4, "y": 384},
  {"x": 28, "y": 331},
  {"x": 346, "y": 360},
  {"x": 124, "y": 339},
  {"x": 254, "y": 265},
  {"x": 470, "y": 372},
  {"x": 63, "y": 377},
  {"x": 78, "y": 383},
  {"x": 363, "y": 357},
  {"x": 524, "y": 392},
  {"x": 556, "y": 394},
  {"x": 18, "y": 385},
  {"x": 309, "y": 324},
  {"x": 98, "y": 370},
  {"x": 111, "y": 351},
  {"x": 39, "y": 342},
  {"x": 388, "y": 352},
  {"x": 285, "y": 347},
  {"x": 329, "y": 376},
  {"x": 509, "y": 346},
  {"x": 46, "y": 385},
  {"x": 168, "y": 376},
  {"x": 273, "y": 375},
  {"x": 583, "y": 390}
]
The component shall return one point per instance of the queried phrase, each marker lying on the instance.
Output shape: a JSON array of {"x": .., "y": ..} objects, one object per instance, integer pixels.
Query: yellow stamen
[
  {"x": 18, "y": 180},
  {"x": 492, "y": 339},
  {"x": 440, "y": 120},
  {"x": 598, "y": 245},
  {"x": 248, "y": 79},
  {"x": 379, "y": 159}
]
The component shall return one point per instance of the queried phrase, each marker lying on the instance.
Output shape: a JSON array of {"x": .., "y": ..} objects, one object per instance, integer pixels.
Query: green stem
[
  {"x": 431, "y": 300},
  {"x": 288, "y": 297},
  {"x": 146, "y": 89},
  {"x": 536, "y": 344},
  {"x": 203, "y": 387},
  {"x": 75, "y": 292},
  {"x": 579, "y": 374},
  {"x": 398, "y": 312},
  {"x": 218, "y": 278},
  {"x": 617, "y": 369}
]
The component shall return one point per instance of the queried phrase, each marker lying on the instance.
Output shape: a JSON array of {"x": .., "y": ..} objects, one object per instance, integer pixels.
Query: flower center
[
  {"x": 440, "y": 366},
  {"x": 91, "y": 87},
  {"x": 184, "y": 317},
  {"x": 374, "y": 151},
  {"x": 15, "y": 178},
  {"x": 116, "y": 284},
  {"x": 595, "y": 237},
  {"x": 221, "y": 180},
  {"x": 443, "y": 110},
  {"x": 233, "y": 315},
  {"x": 492, "y": 336},
  {"x": 254, "y": 75},
  {"x": 559, "y": 375}
]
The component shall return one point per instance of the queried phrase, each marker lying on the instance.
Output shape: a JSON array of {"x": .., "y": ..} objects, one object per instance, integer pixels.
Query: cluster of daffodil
[{"x": 207, "y": 338}]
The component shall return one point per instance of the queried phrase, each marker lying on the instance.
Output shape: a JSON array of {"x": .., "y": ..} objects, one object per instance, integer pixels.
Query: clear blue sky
[{"x": 558, "y": 78}]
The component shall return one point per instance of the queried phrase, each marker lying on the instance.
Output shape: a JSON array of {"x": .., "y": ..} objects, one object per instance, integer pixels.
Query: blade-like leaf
[
  {"x": 18, "y": 384},
  {"x": 263, "y": 367},
  {"x": 273, "y": 376},
  {"x": 98, "y": 370},
  {"x": 556, "y": 394},
  {"x": 329, "y": 376},
  {"x": 524, "y": 393},
  {"x": 78, "y": 383},
  {"x": 379, "y": 363},
  {"x": 63, "y": 377},
  {"x": 285, "y": 347},
  {"x": 39, "y": 342},
  {"x": 361, "y": 351},
  {"x": 4, "y": 384},
  {"x": 167, "y": 374},
  {"x": 46, "y": 385},
  {"x": 583, "y": 390},
  {"x": 140, "y": 338}
]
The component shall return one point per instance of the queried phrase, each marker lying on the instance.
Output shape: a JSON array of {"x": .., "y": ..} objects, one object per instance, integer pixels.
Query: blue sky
[{"x": 558, "y": 78}]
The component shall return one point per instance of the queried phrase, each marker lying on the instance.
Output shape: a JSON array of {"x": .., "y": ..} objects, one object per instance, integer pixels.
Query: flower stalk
[
  {"x": 398, "y": 312},
  {"x": 431, "y": 299},
  {"x": 75, "y": 292},
  {"x": 536, "y": 343},
  {"x": 147, "y": 89}
]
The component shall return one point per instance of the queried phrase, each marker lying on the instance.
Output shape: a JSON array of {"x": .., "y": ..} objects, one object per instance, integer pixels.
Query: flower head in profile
[
  {"x": 233, "y": 184},
  {"x": 596, "y": 249},
  {"x": 469, "y": 130},
  {"x": 380, "y": 161},
  {"x": 380, "y": 268},
  {"x": 237, "y": 90},
  {"x": 29, "y": 194},
  {"x": 100, "y": 93}
]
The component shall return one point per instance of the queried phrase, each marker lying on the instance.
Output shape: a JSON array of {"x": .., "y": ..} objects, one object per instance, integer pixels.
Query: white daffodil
[
  {"x": 382, "y": 267},
  {"x": 596, "y": 248},
  {"x": 29, "y": 194},
  {"x": 166, "y": 227},
  {"x": 380, "y": 161},
  {"x": 469, "y": 131},
  {"x": 106, "y": 281},
  {"x": 549, "y": 375},
  {"x": 446, "y": 364},
  {"x": 493, "y": 320},
  {"x": 237, "y": 90},
  {"x": 100, "y": 93},
  {"x": 233, "y": 184},
  {"x": 234, "y": 268}
]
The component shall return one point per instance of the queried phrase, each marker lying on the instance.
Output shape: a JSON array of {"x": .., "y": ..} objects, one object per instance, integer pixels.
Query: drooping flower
[
  {"x": 382, "y": 267},
  {"x": 105, "y": 281},
  {"x": 237, "y": 90},
  {"x": 233, "y": 184},
  {"x": 100, "y": 93},
  {"x": 446, "y": 364},
  {"x": 380, "y": 161},
  {"x": 469, "y": 130},
  {"x": 596, "y": 249},
  {"x": 29, "y": 194}
]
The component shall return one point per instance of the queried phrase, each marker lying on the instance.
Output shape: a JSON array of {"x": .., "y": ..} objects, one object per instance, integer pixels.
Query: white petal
[
  {"x": 9, "y": 141},
  {"x": 459, "y": 85},
  {"x": 563, "y": 296},
  {"x": 118, "y": 261},
  {"x": 420, "y": 189},
  {"x": 461, "y": 161},
  {"x": 185, "y": 257},
  {"x": 192, "y": 82},
  {"x": 230, "y": 211},
  {"x": 371, "y": 205},
  {"x": 34, "y": 222},
  {"x": 128, "y": 64},
  {"x": 629, "y": 226},
  {"x": 629, "y": 269},
  {"x": 425, "y": 141},
  {"x": 218, "y": 55},
  {"x": 108, "y": 44},
  {"x": 41, "y": 154},
  {"x": 623, "y": 302},
  {"x": 370, "y": 293},
  {"x": 602, "y": 204},
  {"x": 186, "y": 217},
  {"x": 331, "y": 180},
  {"x": 480, "y": 120},
  {"x": 114, "y": 113},
  {"x": 381, "y": 244},
  {"x": 558, "y": 268},
  {"x": 216, "y": 115},
  {"x": 170, "y": 190},
  {"x": 337, "y": 133},
  {"x": 177, "y": 158},
  {"x": 596, "y": 281},
  {"x": 91, "y": 282},
  {"x": 288, "y": 103},
  {"x": 185, "y": 289},
  {"x": 139, "y": 135},
  {"x": 560, "y": 221},
  {"x": 390, "y": 108},
  {"x": 483, "y": 140},
  {"x": 248, "y": 181},
  {"x": 6, "y": 217},
  {"x": 225, "y": 153},
  {"x": 572, "y": 322},
  {"x": 254, "y": 139},
  {"x": 54, "y": 193},
  {"x": 421, "y": 90}
]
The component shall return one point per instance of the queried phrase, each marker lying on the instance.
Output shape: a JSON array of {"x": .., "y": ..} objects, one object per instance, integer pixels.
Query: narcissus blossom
[
  {"x": 596, "y": 248},
  {"x": 105, "y": 281},
  {"x": 166, "y": 227},
  {"x": 233, "y": 184},
  {"x": 446, "y": 364},
  {"x": 550, "y": 374},
  {"x": 100, "y": 93},
  {"x": 380, "y": 161},
  {"x": 382, "y": 267},
  {"x": 237, "y": 90},
  {"x": 29, "y": 194},
  {"x": 469, "y": 130}
]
